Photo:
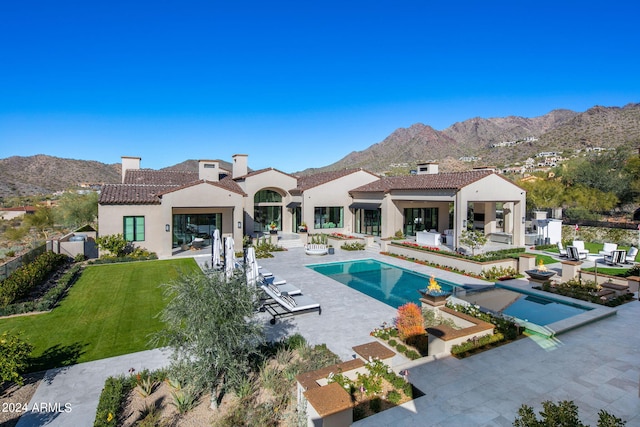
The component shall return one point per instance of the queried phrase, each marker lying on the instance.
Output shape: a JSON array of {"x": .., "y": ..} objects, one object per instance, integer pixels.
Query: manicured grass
[
  {"x": 111, "y": 310},
  {"x": 546, "y": 259}
]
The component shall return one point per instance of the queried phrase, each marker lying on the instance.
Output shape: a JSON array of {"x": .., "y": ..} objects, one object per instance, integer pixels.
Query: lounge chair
[
  {"x": 279, "y": 285},
  {"x": 616, "y": 258},
  {"x": 562, "y": 251},
  {"x": 631, "y": 255},
  {"x": 574, "y": 254},
  {"x": 608, "y": 248},
  {"x": 285, "y": 305}
]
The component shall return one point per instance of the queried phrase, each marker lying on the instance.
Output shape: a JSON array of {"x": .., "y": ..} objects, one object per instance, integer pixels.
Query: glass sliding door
[
  {"x": 420, "y": 219},
  {"x": 187, "y": 227},
  {"x": 368, "y": 221}
]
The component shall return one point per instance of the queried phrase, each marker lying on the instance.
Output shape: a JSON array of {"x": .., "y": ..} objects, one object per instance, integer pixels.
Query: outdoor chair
[
  {"x": 574, "y": 254},
  {"x": 579, "y": 244},
  {"x": 631, "y": 255},
  {"x": 616, "y": 258},
  {"x": 608, "y": 248},
  {"x": 285, "y": 305},
  {"x": 561, "y": 250}
]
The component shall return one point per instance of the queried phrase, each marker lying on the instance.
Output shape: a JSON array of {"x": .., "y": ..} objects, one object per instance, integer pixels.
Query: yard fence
[{"x": 11, "y": 266}]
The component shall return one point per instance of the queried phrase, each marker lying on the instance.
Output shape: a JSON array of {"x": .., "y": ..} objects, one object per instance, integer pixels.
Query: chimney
[
  {"x": 427, "y": 168},
  {"x": 209, "y": 170},
  {"x": 239, "y": 165},
  {"x": 129, "y": 163}
]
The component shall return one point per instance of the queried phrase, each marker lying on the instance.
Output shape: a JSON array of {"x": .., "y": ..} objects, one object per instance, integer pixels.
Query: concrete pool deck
[{"x": 597, "y": 365}]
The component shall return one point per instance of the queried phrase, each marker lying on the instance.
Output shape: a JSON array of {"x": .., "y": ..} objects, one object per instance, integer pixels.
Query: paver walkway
[{"x": 596, "y": 366}]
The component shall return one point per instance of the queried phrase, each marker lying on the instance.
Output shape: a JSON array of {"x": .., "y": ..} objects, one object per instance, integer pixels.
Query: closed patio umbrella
[
  {"x": 229, "y": 257},
  {"x": 251, "y": 265},
  {"x": 216, "y": 248}
]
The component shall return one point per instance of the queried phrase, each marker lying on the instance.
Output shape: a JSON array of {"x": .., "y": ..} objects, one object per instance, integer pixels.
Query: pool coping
[{"x": 595, "y": 313}]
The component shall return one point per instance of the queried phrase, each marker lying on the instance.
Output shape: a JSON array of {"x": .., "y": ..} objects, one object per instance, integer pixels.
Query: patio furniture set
[{"x": 610, "y": 253}]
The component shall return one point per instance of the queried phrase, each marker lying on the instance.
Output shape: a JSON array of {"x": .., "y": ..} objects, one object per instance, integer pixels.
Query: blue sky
[{"x": 294, "y": 84}]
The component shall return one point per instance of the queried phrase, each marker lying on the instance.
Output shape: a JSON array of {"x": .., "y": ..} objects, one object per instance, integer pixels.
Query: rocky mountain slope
[{"x": 559, "y": 130}]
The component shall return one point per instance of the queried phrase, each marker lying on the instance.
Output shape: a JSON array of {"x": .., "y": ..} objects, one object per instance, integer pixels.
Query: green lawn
[{"x": 109, "y": 311}]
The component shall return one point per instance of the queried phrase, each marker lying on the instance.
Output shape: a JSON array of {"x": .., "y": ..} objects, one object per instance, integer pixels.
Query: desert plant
[
  {"x": 184, "y": 400},
  {"x": 409, "y": 321}
]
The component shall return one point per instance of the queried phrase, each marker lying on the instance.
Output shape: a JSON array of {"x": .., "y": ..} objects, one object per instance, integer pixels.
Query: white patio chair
[{"x": 631, "y": 255}]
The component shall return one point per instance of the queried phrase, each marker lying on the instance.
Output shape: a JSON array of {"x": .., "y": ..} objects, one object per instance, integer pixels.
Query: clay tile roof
[
  {"x": 439, "y": 181},
  {"x": 259, "y": 171},
  {"x": 150, "y": 194},
  {"x": 131, "y": 194},
  {"x": 310, "y": 181},
  {"x": 226, "y": 183},
  {"x": 155, "y": 177}
]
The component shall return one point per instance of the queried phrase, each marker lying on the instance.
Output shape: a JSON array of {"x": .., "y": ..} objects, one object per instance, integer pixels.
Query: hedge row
[
  {"x": 49, "y": 300},
  {"x": 472, "y": 345},
  {"x": 27, "y": 277}
]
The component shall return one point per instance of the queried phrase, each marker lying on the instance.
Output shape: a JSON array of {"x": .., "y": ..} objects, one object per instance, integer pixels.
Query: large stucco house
[{"x": 164, "y": 210}]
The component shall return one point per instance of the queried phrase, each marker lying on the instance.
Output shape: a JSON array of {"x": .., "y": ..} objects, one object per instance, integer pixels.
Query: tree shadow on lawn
[{"x": 57, "y": 356}]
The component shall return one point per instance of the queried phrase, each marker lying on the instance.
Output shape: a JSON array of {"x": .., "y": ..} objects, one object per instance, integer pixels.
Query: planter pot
[
  {"x": 273, "y": 231},
  {"x": 331, "y": 251}
]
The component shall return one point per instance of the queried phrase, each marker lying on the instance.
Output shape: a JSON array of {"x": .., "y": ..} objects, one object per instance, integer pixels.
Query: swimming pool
[
  {"x": 396, "y": 286},
  {"x": 392, "y": 285}
]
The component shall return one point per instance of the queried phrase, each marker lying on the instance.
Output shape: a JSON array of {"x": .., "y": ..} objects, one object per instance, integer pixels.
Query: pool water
[
  {"x": 397, "y": 286},
  {"x": 540, "y": 310},
  {"x": 392, "y": 285}
]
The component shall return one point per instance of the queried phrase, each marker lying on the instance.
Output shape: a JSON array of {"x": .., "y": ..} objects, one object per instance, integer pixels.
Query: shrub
[
  {"x": 476, "y": 343},
  {"x": 375, "y": 405},
  {"x": 295, "y": 342},
  {"x": 353, "y": 246},
  {"x": 50, "y": 299},
  {"x": 111, "y": 400},
  {"x": 27, "y": 277},
  {"x": 409, "y": 321},
  {"x": 14, "y": 357},
  {"x": 394, "y": 397}
]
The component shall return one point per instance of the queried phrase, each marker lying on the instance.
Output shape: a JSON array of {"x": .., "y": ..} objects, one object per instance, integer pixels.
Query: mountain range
[{"x": 477, "y": 141}]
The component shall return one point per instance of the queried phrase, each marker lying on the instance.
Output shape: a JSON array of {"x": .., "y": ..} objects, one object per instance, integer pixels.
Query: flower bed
[{"x": 474, "y": 265}]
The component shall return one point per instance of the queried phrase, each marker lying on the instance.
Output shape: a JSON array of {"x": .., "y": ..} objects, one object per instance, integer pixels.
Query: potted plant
[
  {"x": 302, "y": 228},
  {"x": 330, "y": 250},
  {"x": 273, "y": 227}
]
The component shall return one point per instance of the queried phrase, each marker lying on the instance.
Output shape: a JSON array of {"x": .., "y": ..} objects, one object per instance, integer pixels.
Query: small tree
[
  {"x": 474, "y": 239},
  {"x": 211, "y": 329},
  {"x": 14, "y": 357},
  {"x": 41, "y": 220}
]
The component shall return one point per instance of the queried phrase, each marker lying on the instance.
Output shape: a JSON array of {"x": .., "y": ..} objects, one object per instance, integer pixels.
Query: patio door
[
  {"x": 420, "y": 219},
  {"x": 368, "y": 221}
]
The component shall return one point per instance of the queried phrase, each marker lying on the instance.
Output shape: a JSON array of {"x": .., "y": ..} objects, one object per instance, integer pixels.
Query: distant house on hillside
[
  {"x": 11, "y": 213},
  {"x": 163, "y": 211}
]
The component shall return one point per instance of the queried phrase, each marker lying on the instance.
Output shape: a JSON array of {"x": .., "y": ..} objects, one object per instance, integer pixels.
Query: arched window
[{"x": 267, "y": 196}]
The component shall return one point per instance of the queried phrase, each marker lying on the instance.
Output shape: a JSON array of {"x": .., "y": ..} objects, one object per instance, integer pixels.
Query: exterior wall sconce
[
  {"x": 167, "y": 228},
  {"x": 239, "y": 224}
]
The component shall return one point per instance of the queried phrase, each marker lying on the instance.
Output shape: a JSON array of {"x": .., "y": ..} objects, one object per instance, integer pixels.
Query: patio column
[{"x": 570, "y": 270}]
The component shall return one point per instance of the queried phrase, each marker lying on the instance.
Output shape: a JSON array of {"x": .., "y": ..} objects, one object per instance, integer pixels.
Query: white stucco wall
[
  {"x": 268, "y": 180},
  {"x": 331, "y": 194}
]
